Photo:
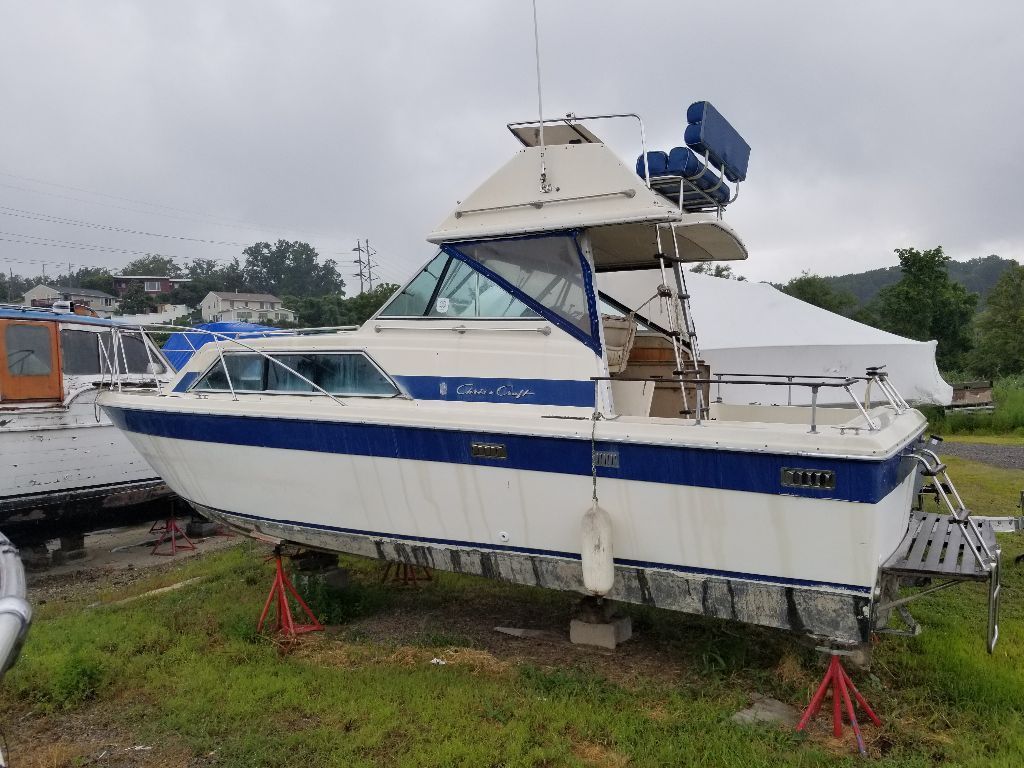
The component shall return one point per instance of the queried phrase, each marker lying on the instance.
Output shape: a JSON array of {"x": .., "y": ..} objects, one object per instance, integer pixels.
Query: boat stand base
[
  {"x": 842, "y": 686},
  {"x": 280, "y": 591},
  {"x": 169, "y": 534}
]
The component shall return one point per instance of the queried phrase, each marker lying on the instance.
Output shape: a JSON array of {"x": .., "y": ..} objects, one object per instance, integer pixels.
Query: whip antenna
[{"x": 544, "y": 186}]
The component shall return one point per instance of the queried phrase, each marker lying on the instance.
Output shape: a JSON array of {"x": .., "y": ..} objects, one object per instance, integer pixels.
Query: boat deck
[{"x": 935, "y": 545}]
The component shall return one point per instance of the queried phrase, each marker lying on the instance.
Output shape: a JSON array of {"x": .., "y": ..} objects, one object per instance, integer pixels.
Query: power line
[
  {"x": 249, "y": 226},
  {"x": 54, "y": 243},
  {"x": 45, "y": 217},
  {"x": 214, "y": 219}
]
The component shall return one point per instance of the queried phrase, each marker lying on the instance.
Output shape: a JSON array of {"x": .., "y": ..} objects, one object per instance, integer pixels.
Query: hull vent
[
  {"x": 489, "y": 451},
  {"x": 818, "y": 479},
  {"x": 606, "y": 459}
]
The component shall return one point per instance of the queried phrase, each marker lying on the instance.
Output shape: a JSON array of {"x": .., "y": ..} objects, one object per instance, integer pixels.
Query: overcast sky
[{"x": 872, "y": 125}]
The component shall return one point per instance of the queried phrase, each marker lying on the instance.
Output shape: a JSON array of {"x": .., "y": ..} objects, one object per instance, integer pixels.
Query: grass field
[{"x": 185, "y": 674}]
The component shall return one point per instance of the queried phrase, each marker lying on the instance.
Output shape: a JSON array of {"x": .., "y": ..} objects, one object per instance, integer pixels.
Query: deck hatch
[
  {"x": 489, "y": 451},
  {"x": 823, "y": 479}
]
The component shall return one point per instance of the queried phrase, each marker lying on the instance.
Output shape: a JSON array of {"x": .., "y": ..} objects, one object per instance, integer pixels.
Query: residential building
[
  {"x": 151, "y": 284},
  {"x": 44, "y": 295},
  {"x": 225, "y": 306}
]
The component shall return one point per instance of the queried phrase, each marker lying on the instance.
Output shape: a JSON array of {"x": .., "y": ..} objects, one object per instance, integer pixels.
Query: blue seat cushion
[
  {"x": 657, "y": 164},
  {"x": 708, "y": 133},
  {"x": 683, "y": 162}
]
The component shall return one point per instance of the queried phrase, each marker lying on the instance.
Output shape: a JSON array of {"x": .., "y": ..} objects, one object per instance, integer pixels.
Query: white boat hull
[{"x": 780, "y": 560}]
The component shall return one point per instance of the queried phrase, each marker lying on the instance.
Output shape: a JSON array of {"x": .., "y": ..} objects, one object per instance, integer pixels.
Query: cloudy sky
[{"x": 873, "y": 125}]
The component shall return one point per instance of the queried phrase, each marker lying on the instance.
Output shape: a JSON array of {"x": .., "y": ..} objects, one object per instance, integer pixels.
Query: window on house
[
  {"x": 243, "y": 315},
  {"x": 152, "y": 285},
  {"x": 339, "y": 373}
]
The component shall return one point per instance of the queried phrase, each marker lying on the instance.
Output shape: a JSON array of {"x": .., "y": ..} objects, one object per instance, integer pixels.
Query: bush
[{"x": 1006, "y": 419}]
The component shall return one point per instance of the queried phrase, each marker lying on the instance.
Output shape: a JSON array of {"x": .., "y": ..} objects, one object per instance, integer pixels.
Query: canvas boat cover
[
  {"x": 746, "y": 327},
  {"x": 179, "y": 347}
]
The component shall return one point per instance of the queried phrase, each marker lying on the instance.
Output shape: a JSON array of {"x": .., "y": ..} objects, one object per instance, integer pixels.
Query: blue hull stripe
[
  {"x": 554, "y": 553},
  {"x": 858, "y": 481},
  {"x": 483, "y": 390}
]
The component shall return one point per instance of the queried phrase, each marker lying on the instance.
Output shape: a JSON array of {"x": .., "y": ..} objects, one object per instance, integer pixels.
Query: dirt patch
[
  {"x": 599, "y": 755},
  {"x": 474, "y": 628},
  {"x": 88, "y": 738},
  {"x": 114, "y": 559}
]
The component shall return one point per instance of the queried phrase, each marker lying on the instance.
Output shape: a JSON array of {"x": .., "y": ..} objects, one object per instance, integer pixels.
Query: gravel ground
[{"x": 1004, "y": 456}]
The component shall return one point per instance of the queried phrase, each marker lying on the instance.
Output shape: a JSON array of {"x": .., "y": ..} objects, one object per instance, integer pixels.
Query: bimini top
[
  {"x": 590, "y": 188},
  {"x": 13, "y": 312}
]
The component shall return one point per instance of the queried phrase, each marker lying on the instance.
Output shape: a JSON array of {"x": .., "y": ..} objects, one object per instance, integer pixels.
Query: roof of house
[
  {"x": 90, "y": 292},
  {"x": 245, "y": 296},
  {"x": 152, "y": 277}
]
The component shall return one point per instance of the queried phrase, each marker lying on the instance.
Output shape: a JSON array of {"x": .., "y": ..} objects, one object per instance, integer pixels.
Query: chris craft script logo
[{"x": 506, "y": 391}]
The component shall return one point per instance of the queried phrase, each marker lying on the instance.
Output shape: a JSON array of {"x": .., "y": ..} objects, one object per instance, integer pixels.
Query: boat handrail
[
  {"x": 218, "y": 339},
  {"x": 783, "y": 380},
  {"x": 570, "y": 118},
  {"x": 543, "y": 329},
  {"x": 872, "y": 376}
]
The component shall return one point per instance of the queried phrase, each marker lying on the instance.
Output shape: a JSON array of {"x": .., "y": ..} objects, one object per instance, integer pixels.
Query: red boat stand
[
  {"x": 839, "y": 681},
  {"x": 170, "y": 532},
  {"x": 280, "y": 590}
]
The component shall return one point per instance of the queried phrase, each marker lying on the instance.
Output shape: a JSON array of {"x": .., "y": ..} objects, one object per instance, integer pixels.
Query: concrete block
[
  {"x": 765, "y": 709},
  {"x": 607, "y": 634},
  {"x": 198, "y": 528}
]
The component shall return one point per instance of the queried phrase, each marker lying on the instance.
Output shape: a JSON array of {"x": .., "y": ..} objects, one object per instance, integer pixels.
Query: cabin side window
[
  {"x": 341, "y": 373},
  {"x": 29, "y": 350},
  {"x": 80, "y": 352},
  {"x": 131, "y": 354}
]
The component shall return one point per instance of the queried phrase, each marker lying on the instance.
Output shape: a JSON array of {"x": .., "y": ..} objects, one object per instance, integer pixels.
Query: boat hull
[
  {"x": 67, "y": 469},
  {"x": 719, "y": 548}
]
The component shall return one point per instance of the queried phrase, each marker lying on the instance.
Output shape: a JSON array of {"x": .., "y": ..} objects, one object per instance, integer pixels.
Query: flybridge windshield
[
  {"x": 523, "y": 277},
  {"x": 448, "y": 287},
  {"x": 547, "y": 269}
]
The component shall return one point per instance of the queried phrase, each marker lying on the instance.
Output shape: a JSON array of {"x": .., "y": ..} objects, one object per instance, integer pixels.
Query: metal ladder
[{"x": 955, "y": 547}]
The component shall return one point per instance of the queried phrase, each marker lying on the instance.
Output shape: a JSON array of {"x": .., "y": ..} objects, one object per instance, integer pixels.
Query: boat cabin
[{"x": 45, "y": 357}]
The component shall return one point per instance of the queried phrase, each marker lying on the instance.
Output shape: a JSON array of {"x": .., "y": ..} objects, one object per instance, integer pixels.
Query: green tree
[
  {"x": 136, "y": 301},
  {"x": 291, "y": 268},
  {"x": 718, "y": 270},
  {"x": 96, "y": 278},
  {"x": 153, "y": 264},
  {"x": 817, "y": 290},
  {"x": 999, "y": 347},
  {"x": 925, "y": 304},
  {"x": 318, "y": 311}
]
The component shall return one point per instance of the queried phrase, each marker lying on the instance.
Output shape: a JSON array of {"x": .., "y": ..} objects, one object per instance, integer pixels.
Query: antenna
[{"x": 544, "y": 185}]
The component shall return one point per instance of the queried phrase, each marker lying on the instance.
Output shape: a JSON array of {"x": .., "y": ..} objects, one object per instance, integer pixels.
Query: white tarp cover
[{"x": 746, "y": 327}]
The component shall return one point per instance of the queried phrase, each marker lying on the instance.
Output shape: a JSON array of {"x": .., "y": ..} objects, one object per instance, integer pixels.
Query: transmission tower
[{"x": 364, "y": 261}]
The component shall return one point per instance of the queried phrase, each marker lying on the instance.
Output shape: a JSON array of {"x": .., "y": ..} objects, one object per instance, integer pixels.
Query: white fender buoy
[{"x": 596, "y": 551}]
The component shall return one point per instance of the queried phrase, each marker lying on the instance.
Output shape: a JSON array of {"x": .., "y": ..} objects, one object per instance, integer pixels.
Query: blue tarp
[{"x": 180, "y": 347}]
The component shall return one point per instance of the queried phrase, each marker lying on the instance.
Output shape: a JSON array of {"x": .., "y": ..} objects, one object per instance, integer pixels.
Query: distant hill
[{"x": 976, "y": 275}]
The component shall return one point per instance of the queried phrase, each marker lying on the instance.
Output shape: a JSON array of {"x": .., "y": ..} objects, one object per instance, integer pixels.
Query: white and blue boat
[{"x": 499, "y": 417}]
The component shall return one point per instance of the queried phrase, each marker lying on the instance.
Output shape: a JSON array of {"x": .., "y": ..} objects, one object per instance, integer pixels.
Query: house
[
  {"x": 245, "y": 307},
  {"x": 151, "y": 284},
  {"x": 44, "y": 295}
]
